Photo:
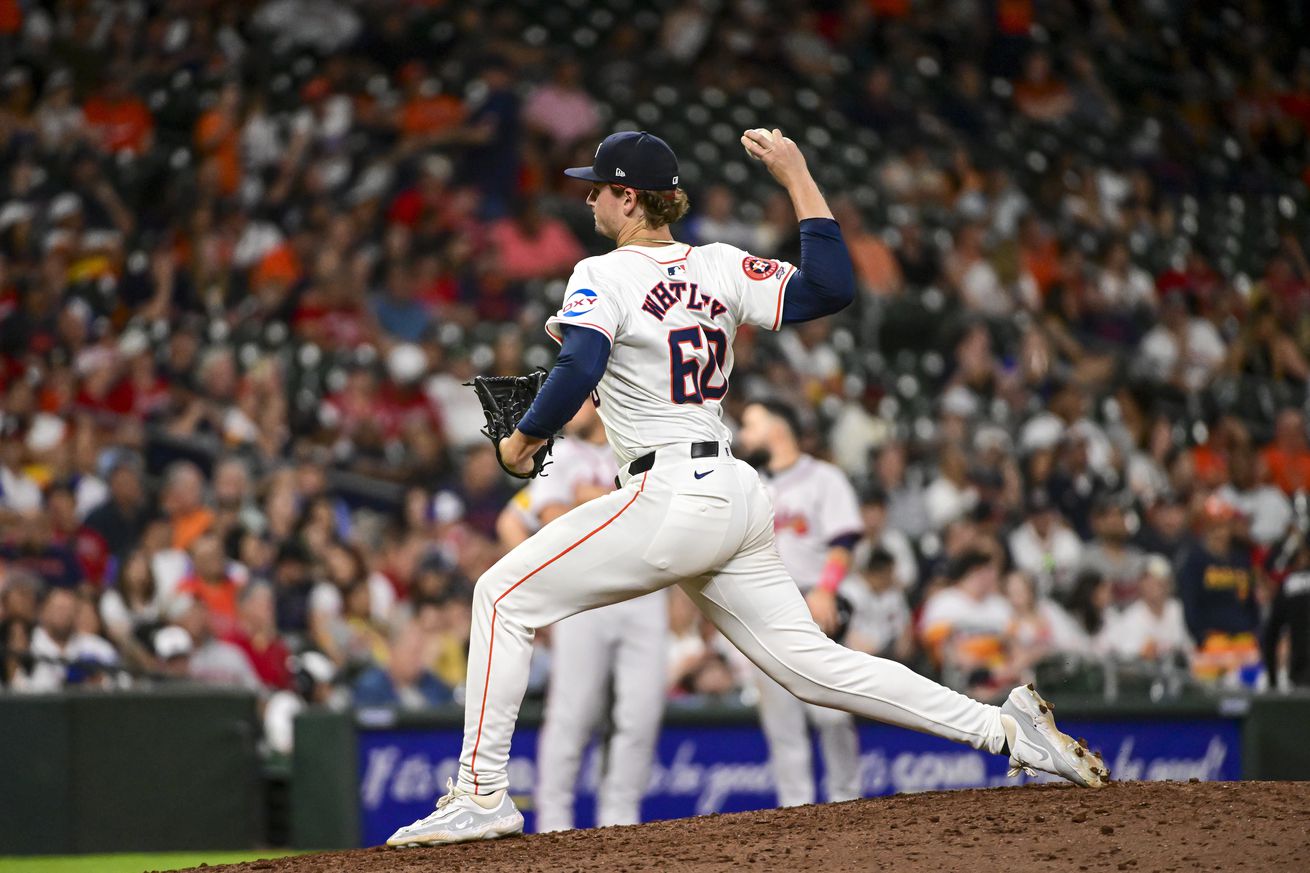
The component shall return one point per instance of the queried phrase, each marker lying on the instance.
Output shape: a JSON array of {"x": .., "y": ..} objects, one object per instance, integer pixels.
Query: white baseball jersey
[
  {"x": 576, "y": 462},
  {"x": 671, "y": 314},
  {"x": 813, "y": 504}
]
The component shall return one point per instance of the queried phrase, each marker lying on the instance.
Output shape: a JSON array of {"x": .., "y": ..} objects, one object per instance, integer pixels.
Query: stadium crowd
[{"x": 249, "y": 253}]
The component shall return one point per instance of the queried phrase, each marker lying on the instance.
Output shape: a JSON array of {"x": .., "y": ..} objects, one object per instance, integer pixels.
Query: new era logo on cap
[{"x": 642, "y": 160}]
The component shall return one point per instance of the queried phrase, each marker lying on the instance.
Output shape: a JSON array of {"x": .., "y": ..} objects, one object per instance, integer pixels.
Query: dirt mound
[{"x": 1136, "y": 826}]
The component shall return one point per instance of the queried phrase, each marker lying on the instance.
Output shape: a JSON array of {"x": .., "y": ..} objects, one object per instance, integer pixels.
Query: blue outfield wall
[{"x": 723, "y": 767}]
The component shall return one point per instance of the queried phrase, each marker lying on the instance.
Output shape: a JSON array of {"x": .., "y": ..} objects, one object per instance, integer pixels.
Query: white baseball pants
[
  {"x": 707, "y": 525},
  {"x": 620, "y": 649},
  {"x": 786, "y": 722}
]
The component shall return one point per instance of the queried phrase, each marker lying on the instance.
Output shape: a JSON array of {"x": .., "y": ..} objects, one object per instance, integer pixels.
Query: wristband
[{"x": 833, "y": 573}]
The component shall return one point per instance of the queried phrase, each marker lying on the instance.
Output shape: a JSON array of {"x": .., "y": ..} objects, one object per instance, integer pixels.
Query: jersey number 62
[{"x": 695, "y": 367}]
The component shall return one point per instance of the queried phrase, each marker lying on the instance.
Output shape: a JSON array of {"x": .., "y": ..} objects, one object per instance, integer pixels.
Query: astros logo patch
[
  {"x": 758, "y": 268},
  {"x": 580, "y": 302}
]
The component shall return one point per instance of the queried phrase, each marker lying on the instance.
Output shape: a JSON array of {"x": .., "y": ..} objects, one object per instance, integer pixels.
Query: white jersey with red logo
[
  {"x": 813, "y": 504},
  {"x": 670, "y": 313},
  {"x": 575, "y": 462}
]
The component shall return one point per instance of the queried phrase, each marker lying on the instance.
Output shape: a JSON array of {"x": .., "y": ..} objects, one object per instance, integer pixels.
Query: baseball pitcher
[{"x": 648, "y": 328}]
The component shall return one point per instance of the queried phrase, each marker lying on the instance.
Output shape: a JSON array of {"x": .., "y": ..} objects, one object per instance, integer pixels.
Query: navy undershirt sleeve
[
  {"x": 825, "y": 282},
  {"x": 845, "y": 541},
  {"x": 577, "y": 372}
]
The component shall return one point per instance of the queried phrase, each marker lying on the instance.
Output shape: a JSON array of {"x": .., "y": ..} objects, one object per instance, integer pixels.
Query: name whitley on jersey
[{"x": 662, "y": 297}]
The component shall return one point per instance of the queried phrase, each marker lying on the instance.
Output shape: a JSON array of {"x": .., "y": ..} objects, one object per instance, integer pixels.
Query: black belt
[{"x": 646, "y": 461}]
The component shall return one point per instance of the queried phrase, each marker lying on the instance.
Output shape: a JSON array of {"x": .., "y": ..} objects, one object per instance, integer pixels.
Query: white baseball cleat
[
  {"x": 461, "y": 817},
  {"x": 1037, "y": 744}
]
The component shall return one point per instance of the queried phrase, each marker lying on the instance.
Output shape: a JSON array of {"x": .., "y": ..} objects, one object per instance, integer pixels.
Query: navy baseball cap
[{"x": 634, "y": 159}]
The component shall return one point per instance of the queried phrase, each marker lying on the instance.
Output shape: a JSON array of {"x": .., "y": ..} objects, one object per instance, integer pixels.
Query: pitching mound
[{"x": 1133, "y": 826}]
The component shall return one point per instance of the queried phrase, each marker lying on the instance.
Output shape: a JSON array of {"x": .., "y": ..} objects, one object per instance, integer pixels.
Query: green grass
[{"x": 128, "y": 863}]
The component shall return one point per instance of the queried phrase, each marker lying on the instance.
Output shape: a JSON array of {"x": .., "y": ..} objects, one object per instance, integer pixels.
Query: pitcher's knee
[
  {"x": 817, "y": 695},
  {"x": 488, "y": 587},
  {"x": 797, "y": 686}
]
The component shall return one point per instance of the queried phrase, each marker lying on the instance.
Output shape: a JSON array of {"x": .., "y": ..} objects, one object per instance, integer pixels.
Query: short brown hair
[{"x": 663, "y": 207}]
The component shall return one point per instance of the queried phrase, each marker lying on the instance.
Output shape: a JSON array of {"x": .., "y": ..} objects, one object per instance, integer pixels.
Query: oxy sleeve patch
[{"x": 578, "y": 303}]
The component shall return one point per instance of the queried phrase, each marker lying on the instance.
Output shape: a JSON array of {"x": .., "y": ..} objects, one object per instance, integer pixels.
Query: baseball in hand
[{"x": 767, "y": 134}]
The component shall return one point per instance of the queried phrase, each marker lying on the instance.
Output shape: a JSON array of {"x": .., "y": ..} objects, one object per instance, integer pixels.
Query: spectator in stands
[
  {"x": 19, "y": 493},
  {"x": 396, "y": 307},
  {"x": 1110, "y": 554},
  {"x": 30, "y": 544},
  {"x": 62, "y": 654},
  {"x": 313, "y": 681},
  {"x": 121, "y": 520},
  {"x": 1215, "y": 582},
  {"x": 211, "y": 583},
  {"x": 168, "y": 565},
  {"x": 172, "y": 648},
  {"x": 255, "y": 634},
  {"x": 972, "y": 276},
  {"x": 234, "y": 499},
  {"x": 1040, "y": 94},
  {"x": 20, "y": 593},
  {"x": 119, "y": 120},
  {"x": 963, "y": 626},
  {"x": 1288, "y": 457},
  {"x": 182, "y": 500},
  {"x": 562, "y": 110},
  {"x": 132, "y": 609},
  {"x": 1089, "y": 607},
  {"x": 716, "y": 221},
  {"x": 906, "y": 501},
  {"x": 880, "y": 614},
  {"x": 1152, "y": 627},
  {"x": 294, "y": 589},
  {"x": 1122, "y": 287},
  {"x": 880, "y": 534},
  {"x": 951, "y": 495},
  {"x": 218, "y": 140},
  {"x": 16, "y": 643},
  {"x": 873, "y": 260},
  {"x": 430, "y": 116},
  {"x": 1045, "y": 548},
  {"x": 445, "y": 623},
  {"x": 531, "y": 245},
  {"x": 879, "y": 106},
  {"x": 341, "y": 612},
  {"x": 699, "y": 670},
  {"x": 209, "y": 660},
  {"x": 492, "y": 163},
  {"x": 1183, "y": 351},
  {"x": 1164, "y": 528},
  {"x": 1265, "y": 509},
  {"x": 1266, "y": 349},
  {"x": 1093, "y": 104},
  {"x": 1073, "y": 485},
  {"x": 1033, "y": 633},
  {"x": 405, "y": 682}
]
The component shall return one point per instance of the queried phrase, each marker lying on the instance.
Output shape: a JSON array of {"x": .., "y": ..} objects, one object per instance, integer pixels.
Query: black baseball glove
[{"x": 505, "y": 400}]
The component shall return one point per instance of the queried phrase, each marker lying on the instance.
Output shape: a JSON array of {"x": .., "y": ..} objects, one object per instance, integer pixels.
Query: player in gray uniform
[
  {"x": 611, "y": 658},
  {"x": 816, "y": 523}
]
